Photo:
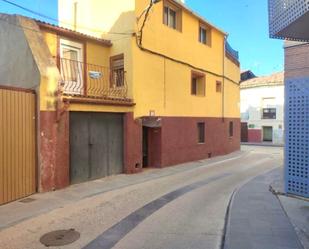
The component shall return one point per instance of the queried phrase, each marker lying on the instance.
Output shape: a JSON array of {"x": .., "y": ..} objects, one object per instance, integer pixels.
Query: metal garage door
[
  {"x": 17, "y": 144},
  {"x": 96, "y": 145}
]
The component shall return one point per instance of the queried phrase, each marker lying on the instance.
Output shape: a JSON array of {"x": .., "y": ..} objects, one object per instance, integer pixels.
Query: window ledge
[
  {"x": 170, "y": 28},
  {"x": 199, "y": 96}
]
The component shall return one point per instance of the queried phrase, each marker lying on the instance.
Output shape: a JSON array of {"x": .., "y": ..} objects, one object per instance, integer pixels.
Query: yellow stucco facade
[
  {"x": 95, "y": 54},
  {"x": 157, "y": 83}
]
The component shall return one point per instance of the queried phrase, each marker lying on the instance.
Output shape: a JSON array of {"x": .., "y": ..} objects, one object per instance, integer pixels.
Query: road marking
[{"x": 113, "y": 235}]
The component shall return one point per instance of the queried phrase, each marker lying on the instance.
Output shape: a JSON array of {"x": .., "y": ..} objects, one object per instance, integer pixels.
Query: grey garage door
[{"x": 96, "y": 145}]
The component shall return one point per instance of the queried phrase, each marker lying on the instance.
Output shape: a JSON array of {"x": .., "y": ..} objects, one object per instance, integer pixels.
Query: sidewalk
[
  {"x": 37, "y": 204},
  {"x": 257, "y": 219},
  {"x": 262, "y": 144}
]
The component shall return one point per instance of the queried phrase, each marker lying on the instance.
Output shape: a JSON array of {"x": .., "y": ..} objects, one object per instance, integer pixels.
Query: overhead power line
[{"x": 59, "y": 21}]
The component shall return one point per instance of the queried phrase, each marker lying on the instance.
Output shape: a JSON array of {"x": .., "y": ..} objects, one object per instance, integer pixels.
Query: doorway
[
  {"x": 267, "y": 133},
  {"x": 244, "y": 132},
  {"x": 96, "y": 145},
  {"x": 151, "y": 147}
]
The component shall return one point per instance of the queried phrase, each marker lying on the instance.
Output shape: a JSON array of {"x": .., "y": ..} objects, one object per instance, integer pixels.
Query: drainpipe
[{"x": 223, "y": 81}]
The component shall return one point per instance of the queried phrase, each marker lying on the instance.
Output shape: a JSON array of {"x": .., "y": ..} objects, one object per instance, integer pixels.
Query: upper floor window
[
  {"x": 71, "y": 64},
  {"x": 172, "y": 16},
  {"x": 269, "y": 113},
  {"x": 204, "y": 34},
  {"x": 198, "y": 84},
  {"x": 218, "y": 86},
  {"x": 117, "y": 70}
]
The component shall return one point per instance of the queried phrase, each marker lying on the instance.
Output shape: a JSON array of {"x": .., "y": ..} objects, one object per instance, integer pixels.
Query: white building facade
[{"x": 262, "y": 109}]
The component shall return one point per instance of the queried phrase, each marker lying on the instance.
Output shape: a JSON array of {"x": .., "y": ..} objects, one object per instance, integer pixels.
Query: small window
[
  {"x": 231, "y": 129},
  {"x": 204, "y": 34},
  {"x": 201, "y": 132},
  {"x": 117, "y": 71},
  {"x": 269, "y": 113},
  {"x": 172, "y": 16},
  {"x": 197, "y": 84},
  {"x": 218, "y": 86}
]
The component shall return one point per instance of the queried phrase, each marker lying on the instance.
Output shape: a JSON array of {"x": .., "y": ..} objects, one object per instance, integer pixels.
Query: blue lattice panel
[
  {"x": 297, "y": 136},
  {"x": 283, "y": 13}
]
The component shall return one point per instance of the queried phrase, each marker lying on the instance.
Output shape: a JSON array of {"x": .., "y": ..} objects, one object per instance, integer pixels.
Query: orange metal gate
[{"x": 17, "y": 144}]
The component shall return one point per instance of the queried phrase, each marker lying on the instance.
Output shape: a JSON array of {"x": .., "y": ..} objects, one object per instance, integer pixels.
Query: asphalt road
[{"x": 185, "y": 210}]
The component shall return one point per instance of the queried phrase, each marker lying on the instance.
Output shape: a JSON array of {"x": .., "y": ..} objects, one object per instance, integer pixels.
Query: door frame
[
  {"x": 145, "y": 150},
  {"x": 152, "y": 144}
]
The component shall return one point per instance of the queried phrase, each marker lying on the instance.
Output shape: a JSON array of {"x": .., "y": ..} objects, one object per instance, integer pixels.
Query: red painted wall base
[
  {"x": 175, "y": 142},
  {"x": 180, "y": 139},
  {"x": 254, "y": 136}
]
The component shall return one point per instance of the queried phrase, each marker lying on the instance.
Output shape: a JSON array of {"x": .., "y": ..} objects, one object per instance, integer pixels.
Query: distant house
[
  {"x": 247, "y": 75},
  {"x": 262, "y": 102}
]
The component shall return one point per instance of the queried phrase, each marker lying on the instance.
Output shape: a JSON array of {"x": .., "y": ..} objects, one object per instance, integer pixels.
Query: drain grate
[{"x": 60, "y": 238}]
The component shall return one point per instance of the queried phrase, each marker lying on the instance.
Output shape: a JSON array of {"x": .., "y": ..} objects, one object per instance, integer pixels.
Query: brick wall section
[{"x": 296, "y": 60}]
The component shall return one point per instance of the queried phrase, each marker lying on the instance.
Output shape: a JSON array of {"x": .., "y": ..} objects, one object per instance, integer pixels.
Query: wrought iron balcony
[
  {"x": 289, "y": 19},
  {"x": 231, "y": 51},
  {"x": 83, "y": 80}
]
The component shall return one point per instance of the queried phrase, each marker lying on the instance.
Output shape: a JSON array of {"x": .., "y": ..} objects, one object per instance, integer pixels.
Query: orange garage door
[{"x": 17, "y": 144}]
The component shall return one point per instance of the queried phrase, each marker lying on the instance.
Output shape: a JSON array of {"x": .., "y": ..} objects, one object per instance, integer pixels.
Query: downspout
[{"x": 223, "y": 81}]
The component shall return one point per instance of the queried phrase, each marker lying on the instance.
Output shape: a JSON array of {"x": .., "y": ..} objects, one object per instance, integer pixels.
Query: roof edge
[
  {"x": 203, "y": 19},
  {"x": 71, "y": 33}
]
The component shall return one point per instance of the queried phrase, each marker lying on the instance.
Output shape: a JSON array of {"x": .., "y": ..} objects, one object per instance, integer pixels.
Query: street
[{"x": 192, "y": 216}]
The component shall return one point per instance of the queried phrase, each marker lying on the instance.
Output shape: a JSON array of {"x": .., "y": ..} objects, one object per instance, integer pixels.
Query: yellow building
[{"x": 130, "y": 84}]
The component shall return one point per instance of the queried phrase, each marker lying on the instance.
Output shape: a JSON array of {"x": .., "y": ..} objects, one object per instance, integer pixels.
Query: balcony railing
[
  {"x": 231, "y": 51},
  {"x": 79, "y": 79},
  {"x": 288, "y": 19}
]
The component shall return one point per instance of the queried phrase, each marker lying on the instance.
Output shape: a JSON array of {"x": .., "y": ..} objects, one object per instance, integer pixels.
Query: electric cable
[{"x": 139, "y": 42}]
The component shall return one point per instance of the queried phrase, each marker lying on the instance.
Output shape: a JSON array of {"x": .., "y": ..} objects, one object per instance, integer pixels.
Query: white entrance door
[{"x": 72, "y": 67}]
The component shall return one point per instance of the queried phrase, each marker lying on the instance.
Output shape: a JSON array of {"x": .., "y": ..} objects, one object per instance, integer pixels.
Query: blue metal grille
[
  {"x": 231, "y": 51},
  {"x": 297, "y": 136},
  {"x": 283, "y": 13}
]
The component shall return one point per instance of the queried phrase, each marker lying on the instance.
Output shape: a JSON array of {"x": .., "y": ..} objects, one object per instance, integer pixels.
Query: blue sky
[{"x": 246, "y": 21}]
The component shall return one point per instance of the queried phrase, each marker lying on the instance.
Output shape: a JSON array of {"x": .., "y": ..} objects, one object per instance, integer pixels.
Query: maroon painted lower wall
[
  {"x": 175, "y": 142},
  {"x": 254, "y": 136},
  {"x": 180, "y": 139},
  {"x": 53, "y": 151},
  {"x": 132, "y": 144}
]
